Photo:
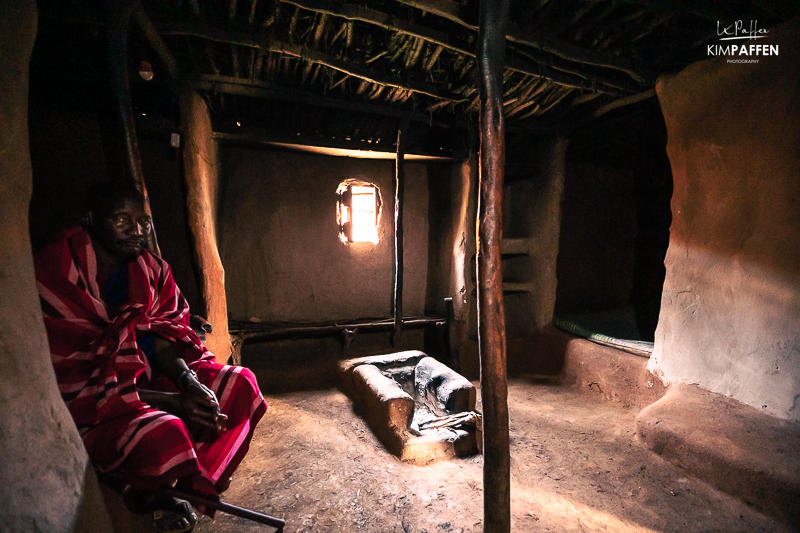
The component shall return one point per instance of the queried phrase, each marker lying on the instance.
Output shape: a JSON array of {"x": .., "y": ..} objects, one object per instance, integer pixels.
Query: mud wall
[
  {"x": 451, "y": 259},
  {"x": 280, "y": 245},
  {"x": 532, "y": 197},
  {"x": 47, "y": 481},
  {"x": 730, "y": 313},
  {"x": 531, "y": 227},
  {"x": 284, "y": 261}
]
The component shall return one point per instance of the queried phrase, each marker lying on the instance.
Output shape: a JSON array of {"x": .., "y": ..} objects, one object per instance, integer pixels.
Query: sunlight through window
[{"x": 358, "y": 211}]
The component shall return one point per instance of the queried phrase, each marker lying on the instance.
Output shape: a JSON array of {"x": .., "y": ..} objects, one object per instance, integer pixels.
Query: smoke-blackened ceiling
[{"x": 344, "y": 73}]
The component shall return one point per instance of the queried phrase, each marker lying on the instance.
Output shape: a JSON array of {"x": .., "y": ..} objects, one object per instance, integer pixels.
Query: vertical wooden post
[
  {"x": 491, "y": 320},
  {"x": 119, "y": 15},
  {"x": 200, "y": 163},
  {"x": 399, "y": 185}
]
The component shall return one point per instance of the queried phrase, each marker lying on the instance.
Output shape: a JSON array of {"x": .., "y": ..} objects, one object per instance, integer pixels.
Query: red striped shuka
[{"x": 99, "y": 364}]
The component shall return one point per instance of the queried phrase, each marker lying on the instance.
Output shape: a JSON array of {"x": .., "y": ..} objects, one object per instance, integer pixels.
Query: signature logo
[
  {"x": 741, "y": 31},
  {"x": 737, "y": 30}
]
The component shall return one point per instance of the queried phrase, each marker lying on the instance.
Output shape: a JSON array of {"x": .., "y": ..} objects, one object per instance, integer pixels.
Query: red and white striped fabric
[{"x": 98, "y": 366}]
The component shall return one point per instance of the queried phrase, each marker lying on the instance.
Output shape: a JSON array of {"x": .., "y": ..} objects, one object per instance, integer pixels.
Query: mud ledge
[
  {"x": 597, "y": 370},
  {"x": 730, "y": 445}
]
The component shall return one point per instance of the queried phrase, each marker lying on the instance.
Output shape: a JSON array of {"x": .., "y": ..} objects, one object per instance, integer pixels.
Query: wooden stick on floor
[{"x": 227, "y": 508}]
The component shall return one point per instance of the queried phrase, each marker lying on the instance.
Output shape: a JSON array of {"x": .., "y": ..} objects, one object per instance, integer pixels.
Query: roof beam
[
  {"x": 623, "y": 102},
  {"x": 255, "y": 89},
  {"x": 453, "y": 12},
  {"x": 378, "y": 18},
  {"x": 258, "y": 40},
  {"x": 561, "y": 75},
  {"x": 448, "y": 9},
  {"x": 565, "y": 79},
  {"x": 349, "y": 148},
  {"x": 565, "y": 50}
]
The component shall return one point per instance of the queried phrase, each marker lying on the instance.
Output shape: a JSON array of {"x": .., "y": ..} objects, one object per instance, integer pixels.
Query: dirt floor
[{"x": 575, "y": 466}]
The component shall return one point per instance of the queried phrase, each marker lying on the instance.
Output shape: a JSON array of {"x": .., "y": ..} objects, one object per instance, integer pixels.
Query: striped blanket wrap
[{"x": 99, "y": 365}]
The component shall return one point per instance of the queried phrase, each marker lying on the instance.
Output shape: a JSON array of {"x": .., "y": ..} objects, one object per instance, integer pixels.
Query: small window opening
[{"x": 358, "y": 211}]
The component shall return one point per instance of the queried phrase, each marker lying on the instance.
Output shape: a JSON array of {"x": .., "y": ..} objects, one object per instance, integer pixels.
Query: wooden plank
[
  {"x": 624, "y": 101},
  {"x": 252, "y": 330},
  {"x": 290, "y": 141}
]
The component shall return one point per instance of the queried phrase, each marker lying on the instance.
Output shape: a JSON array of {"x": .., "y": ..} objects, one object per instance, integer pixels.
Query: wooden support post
[
  {"x": 491, "y": 320},
  {"x": 200, "y": 163},
  {"x": 119, "y": 15},
  {"x": 399, "y": 184}
]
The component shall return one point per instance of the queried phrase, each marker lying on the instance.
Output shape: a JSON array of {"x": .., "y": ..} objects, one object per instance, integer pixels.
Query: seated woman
[{"x": 151, "y": 404}]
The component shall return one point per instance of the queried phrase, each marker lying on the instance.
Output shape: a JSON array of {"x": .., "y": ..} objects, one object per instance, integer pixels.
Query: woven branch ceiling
[{"x": 346, "y": 72}]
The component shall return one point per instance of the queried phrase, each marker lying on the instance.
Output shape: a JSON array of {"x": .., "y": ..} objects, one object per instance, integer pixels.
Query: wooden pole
[
  {"x": 119, "y": 15},
  {"x": 399, "y": 184},
  {"x": 491, "y": 320},
  {"x": 200, "y": 164}
]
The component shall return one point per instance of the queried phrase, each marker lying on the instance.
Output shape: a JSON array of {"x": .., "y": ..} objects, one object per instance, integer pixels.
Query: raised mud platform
[{"x": 729, "y": 445}]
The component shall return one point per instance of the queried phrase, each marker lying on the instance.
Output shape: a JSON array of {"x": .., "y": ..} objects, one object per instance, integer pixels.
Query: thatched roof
[{"x": 344, "y": 73}]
